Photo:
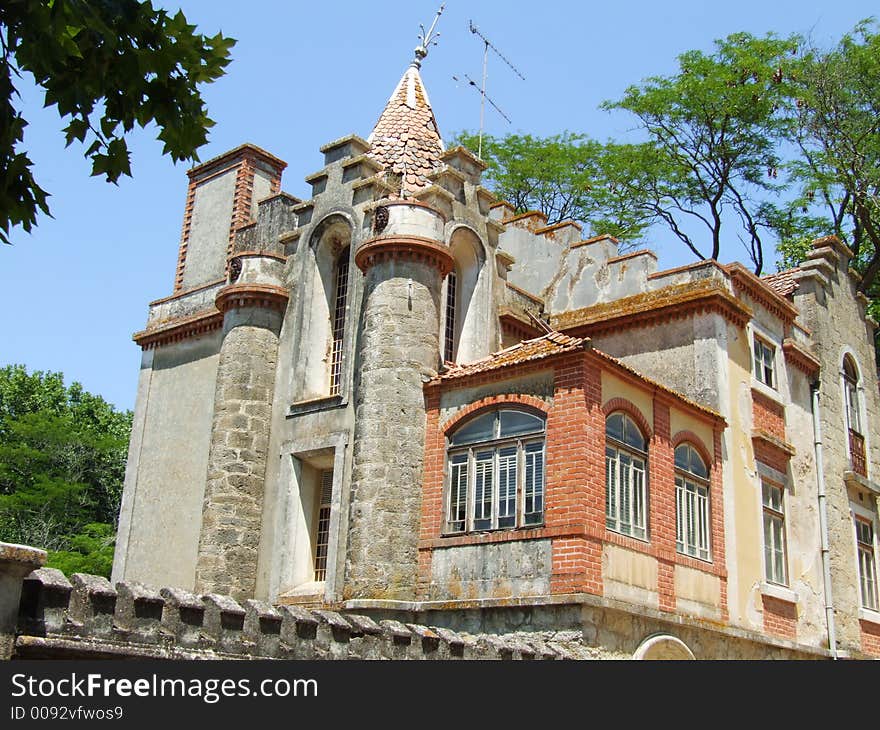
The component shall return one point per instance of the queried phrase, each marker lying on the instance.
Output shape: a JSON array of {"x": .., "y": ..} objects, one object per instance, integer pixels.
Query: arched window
[
  {"x": 463, "y": 323},
  {"x": 692, "y": 527},
  {"x": 449, "y": 329},
  {"x": 340, "y": 301},
  {"x": 625, "y": 476},
  {"x": 853, "y": 416},
  {"x": 319, "y": 365},
  {"x": 496, "y": 472}
]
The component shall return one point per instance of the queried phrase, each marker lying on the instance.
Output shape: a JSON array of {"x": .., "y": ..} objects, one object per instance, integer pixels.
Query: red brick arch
[
  {"x": 494, "y": 401},
  {"x": 628, "y": 407},
  {"x": 695, "y": 441}
]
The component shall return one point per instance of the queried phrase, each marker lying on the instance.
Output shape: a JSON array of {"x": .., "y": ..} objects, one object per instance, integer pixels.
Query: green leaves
[
  {"x": 62, "y": 462},
  {"x": 712, "y": 130},
  {"x": 835, "y": 121},
  {"x": 566, "y": 176},
  {"x": 106, "y": 66}
]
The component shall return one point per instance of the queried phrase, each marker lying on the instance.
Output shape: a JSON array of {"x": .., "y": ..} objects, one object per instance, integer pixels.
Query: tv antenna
[{"x": 487, "y": 44}]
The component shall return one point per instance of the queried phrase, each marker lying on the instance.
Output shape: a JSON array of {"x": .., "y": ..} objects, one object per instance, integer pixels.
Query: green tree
[
  {"x": 62, "y": 465},
  {"x": 106, "y": 66},
  {"x": 710, "y": 161},
  {"x": 565, "y": 176},
  {"x": 835, "y": 123}
]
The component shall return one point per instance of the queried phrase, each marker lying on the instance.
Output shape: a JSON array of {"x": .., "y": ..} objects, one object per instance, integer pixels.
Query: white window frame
[
  {"x": 778, "y": 515},
  {"x": 526, "y": 447},
  {"x": 872, "y": 603},
  {"x": 759, "y": 374},
  {"x": 693, "y": 489},
  {"x": 634, "y": 494}
]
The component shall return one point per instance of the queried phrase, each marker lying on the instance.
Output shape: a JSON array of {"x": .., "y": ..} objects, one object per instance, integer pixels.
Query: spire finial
[{"x": 426, "y": 40}]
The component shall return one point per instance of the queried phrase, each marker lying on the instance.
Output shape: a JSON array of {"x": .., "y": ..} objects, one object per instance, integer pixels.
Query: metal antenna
[
  {"x": 473, "y": 83},
  {"x": 426, "y": 40},
  {"x": 487, "y": 44}
]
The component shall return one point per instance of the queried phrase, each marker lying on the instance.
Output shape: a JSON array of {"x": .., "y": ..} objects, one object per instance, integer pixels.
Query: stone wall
[
  {"x": 232, "y": 516},
  {"x": 399, "y": 351},
  {"x": 88, "y": 618}
]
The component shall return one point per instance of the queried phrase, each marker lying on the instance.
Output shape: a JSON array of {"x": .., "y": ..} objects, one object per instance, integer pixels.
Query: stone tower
[{"x": 404, "y": 263}]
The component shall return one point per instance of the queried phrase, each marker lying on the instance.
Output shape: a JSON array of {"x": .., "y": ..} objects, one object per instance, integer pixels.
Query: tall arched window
[
  {"x": 496, "y": 472},
  {"x": 625, "y": 476},
  {"x": 319, "y": 366},
  {"x": 464, "y": 313},
  {"x": 853, "y": 416},
  {"x": 692, "y": 526},
  {"x": 340, "y": 301},
  {"x": 449, "y": 331}
]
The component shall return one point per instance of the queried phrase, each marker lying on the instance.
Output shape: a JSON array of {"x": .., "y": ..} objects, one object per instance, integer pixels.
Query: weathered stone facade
[{"x": 401, "y": 396}]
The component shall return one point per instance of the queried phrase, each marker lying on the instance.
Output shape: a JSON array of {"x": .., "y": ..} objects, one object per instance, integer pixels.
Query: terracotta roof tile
[
  {"x": 783, "y": 282},
  {"x": 406, "y": 140},
  {"x": 553, "y": 343}
]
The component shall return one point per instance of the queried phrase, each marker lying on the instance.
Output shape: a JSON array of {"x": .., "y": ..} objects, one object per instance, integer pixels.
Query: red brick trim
[
  {"x": 744, "y": 281},
  {"x": 252, "y": 295},
  {"x": 492, "y": 402},
  {"x": 692, "y": 438},
  {"x": 184, "y": 234},
  {"x": 800, "y": 358},
  {"x": 780, "y": 617},
  {"x": 179, "y": 329},
  {"x": 412, "y": 248},
  {"x": 768, "y": 415},
  {"x": 622, "y": 404},
  {"x": 870, "y": 632}
]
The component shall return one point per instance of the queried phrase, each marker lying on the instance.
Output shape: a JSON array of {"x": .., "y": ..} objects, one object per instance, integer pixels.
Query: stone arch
[
  {"x": 463, "y": 318},
  {"x": 330, "y": 240},
  {"x": 663, "y": 647}
]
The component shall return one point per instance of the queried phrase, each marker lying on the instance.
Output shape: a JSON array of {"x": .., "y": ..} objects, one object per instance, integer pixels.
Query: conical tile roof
[{"x": 406, "y": 140}]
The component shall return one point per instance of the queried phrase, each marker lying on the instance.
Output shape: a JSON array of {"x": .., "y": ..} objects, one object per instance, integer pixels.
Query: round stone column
[
  {"x": 399, "y": 350},
  {"x": 233, "y": 505}
]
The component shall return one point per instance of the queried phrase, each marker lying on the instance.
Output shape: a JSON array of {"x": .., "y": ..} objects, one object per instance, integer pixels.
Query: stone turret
[
  {"x": 253, "y": 303},
  {"x": 404, "y": 265}
]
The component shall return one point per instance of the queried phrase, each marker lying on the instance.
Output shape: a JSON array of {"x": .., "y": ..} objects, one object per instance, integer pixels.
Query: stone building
[{"x": 401, "y": 399}]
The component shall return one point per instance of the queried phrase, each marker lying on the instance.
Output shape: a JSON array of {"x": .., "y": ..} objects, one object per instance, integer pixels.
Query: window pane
[
  {"x": 481, "y": 428},
  {"x": 483, "y": 486},
  {"x": 507, "y": 486},
  {"x": 458, "y": 484},
  {"x": 516, "y": 423},
  {"x": 614, "y": 426},
  {"x": 534, "y": 486}
]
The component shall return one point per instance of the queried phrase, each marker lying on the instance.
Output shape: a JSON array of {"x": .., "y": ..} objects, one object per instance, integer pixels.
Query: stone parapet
[
  {"x": 16, "y": 561},
  {"x": 86, "y": 617}
]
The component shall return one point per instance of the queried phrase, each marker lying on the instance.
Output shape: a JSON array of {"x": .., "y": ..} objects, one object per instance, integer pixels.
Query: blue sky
[{"x": 77, "y": 287}]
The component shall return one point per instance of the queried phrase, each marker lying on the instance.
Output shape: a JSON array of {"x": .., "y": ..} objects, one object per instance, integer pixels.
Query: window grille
[
  {"x": 340, "y": 300},
  {"x": 322, "y": 536},
  {"x": 449, "y": 331}
]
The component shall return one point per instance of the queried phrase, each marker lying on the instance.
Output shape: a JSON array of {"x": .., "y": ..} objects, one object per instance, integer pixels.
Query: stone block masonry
[
  {"x": 399, "y": 352},
  {"x": 232, "y": 516}
]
